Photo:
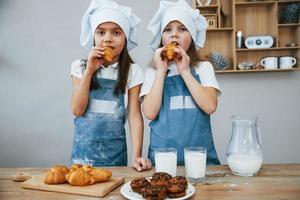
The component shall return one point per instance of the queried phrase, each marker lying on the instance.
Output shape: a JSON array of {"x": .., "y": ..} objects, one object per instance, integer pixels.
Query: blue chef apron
[
  {"x": 181, "y": 123},
  {"x": 100, "y": 138}
]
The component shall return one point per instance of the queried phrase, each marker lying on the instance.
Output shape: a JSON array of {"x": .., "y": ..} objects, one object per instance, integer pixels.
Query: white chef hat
[
  {"x": 182, "y": 12},
  {"x": 101, "y": 11}
]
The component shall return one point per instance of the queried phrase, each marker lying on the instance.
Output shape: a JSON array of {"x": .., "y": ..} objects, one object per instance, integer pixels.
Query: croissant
[
  {"x": 56, "y": 175},
  {"x": 77, "y": 174},
  {"x": 169, "y": 53},
  {"x": 80, "y": 177},
  {"x": 87, "y": 168},
  {"x": 108, "y": 54},
  {"x": 74, "y": 167},
  {"x": 100, "y": 175}
]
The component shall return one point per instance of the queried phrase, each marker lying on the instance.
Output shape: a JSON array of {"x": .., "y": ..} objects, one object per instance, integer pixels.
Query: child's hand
[
  {"x": 160, "y": 62},
  {"x": 95, "y": 59},
  {"x": 182, "y": 60},
  {"x": 141, "y": 164}
]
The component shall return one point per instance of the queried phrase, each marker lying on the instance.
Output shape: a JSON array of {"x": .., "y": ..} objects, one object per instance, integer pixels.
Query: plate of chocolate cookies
[{"x": 160, "y": 186}]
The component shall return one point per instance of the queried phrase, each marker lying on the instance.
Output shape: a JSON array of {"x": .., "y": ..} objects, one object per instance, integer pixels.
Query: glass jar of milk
[{"x": 244, "y": 152}]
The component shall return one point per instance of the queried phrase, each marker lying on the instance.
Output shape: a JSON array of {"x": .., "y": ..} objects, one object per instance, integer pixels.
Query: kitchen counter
[{"x": 274, "y": 181}]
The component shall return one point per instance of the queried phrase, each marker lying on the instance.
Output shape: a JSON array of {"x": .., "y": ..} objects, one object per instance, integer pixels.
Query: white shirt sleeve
[
  {"x": 149, "y": 79},
  {"x": 76, "y": 69},
  {"x": 136, "y": 76},
  {"x": 207, "y": 76}
]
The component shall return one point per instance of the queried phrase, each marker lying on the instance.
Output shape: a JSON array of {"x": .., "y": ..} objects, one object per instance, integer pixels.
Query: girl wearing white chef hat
[
  {"x": 103, "y": 86},
  {"x": 179, "y": 93}
]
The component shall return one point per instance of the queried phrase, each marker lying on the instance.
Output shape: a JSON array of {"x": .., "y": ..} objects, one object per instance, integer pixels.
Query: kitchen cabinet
[{"x": 252, "y": 18}]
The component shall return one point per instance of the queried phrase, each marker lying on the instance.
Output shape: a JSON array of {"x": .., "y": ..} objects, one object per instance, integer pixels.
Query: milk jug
[{"x": 244, "y": 153}]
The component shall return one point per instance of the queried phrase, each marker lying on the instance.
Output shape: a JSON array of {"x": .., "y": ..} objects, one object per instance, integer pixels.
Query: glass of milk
[
  {"x": 166, "y": 160},
  {"x": 195, "y": 164}
]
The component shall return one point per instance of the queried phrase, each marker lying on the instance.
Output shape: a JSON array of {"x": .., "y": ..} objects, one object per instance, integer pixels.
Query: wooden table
[{"x": 274, "y": 181}]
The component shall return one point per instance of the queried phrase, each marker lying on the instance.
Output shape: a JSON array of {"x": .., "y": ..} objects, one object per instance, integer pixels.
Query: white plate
[{"x": 127, "y": 192}]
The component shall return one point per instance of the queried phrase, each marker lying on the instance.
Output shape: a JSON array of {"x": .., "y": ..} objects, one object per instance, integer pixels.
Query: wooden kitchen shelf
[
  {"x": 256, "y": 70},
  {"x": 288, "y": 25},
  {"x": 287, "y": 1},
  {"x": 254, "y": 3},
  {"x": 268, "y": 49},
  {"x": 208, "y": 7},
  {"x": 252, "y": 18},
  {"x": 220, "y": 29}
]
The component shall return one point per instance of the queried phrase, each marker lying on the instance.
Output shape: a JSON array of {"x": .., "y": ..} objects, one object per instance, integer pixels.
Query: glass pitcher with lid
[{"x": 244, "y": 152}]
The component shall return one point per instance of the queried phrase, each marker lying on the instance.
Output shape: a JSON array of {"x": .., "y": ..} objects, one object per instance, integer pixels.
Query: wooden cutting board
[{"x": 96, "y": 190}]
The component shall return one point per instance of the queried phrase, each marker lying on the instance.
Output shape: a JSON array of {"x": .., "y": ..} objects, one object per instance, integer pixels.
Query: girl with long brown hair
[{"x": 106, "y": 89}]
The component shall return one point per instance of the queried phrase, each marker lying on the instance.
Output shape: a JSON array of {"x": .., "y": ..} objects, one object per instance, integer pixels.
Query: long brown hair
[
  {"x": 123, "y": 70},
  {"x": 192, "y": 52}
]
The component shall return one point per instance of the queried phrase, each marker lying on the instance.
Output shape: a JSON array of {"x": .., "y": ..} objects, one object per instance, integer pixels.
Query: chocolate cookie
[
  {"x": 160, "y": 179},
  {"x": 176, "y": 195},
  {"x": 138, "y": 183},
  {"x": 161, "y": 175},
  {"x": 177, "y": 187},
  {"x": 154, "y": 192},
  {"x": 179, "y": 179}
]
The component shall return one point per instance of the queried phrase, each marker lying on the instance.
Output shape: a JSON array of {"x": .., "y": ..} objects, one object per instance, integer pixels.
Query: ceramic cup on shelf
[
  {"x": 270, "y": 62},
  {"x": 287, "y": 62}
]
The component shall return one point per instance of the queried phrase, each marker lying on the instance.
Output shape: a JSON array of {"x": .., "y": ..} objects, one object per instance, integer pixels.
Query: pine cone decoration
[{"x": 218, "y": 61}]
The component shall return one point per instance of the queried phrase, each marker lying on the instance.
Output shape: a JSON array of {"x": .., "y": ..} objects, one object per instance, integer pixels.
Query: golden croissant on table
[
  {"x": 77, "y": 174},
  {"x": 80, "y": 177},
  {"x": 74, "y": 167},
  {"x": 56, "y": 175},
  {"x": 100, "y": 175}
]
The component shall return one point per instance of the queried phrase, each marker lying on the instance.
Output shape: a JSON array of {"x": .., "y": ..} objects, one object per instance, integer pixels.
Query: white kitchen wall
[{"x": 38, "y": 41}]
